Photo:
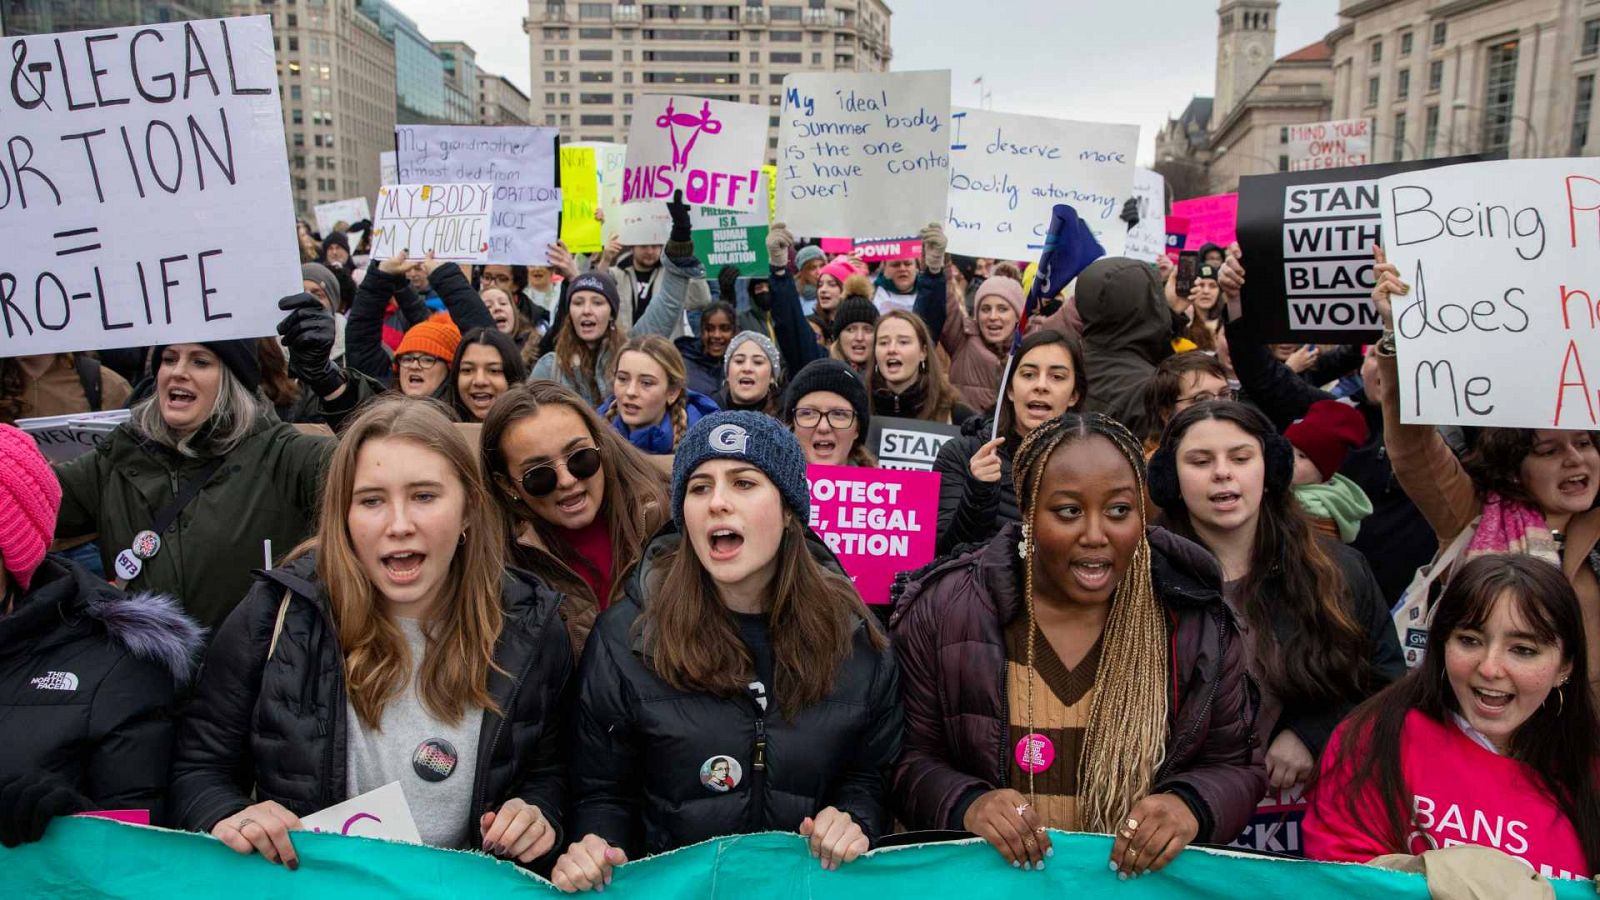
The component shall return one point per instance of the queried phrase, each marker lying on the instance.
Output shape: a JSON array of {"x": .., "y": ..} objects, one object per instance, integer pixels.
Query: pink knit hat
[
  {"x": 840, "y": 269},
  {"x": 1000, "y": 286},
  {"x": 30, "y": 498}
]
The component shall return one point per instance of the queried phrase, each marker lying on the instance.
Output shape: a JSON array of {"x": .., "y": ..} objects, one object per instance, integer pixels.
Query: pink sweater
[{"x": 1461, "y": 792}]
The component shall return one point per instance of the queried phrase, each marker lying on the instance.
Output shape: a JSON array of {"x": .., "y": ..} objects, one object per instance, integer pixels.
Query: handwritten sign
[
  {"x": 451, "y": 221},
  {"x": 1501, "y": 326},
  {"x": 1008, "y": 172},
  {"x": 865, "y": 155},
  {"x": 382, "y": 813},
  {"x": 519, "y": 163},
  {"x": 388, "y": 170},
  {"x": 1329, "y": 145},
  {"x": 908, "y": 443},
  {"x": 879, "y": 522},
  {"x": 348, "y": 211},
  {"x": 580, "y": 199},
  {"x": 66, "y": 437},
  {"x": 1211, "y": 219},
  {"x": 711, "y": 150},
  {"x": 132, "y": 157},
  {"x": 1148, "y": 239}
]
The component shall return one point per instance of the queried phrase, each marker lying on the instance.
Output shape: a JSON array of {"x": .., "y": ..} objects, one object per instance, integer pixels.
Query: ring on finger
[
  {"x": 1132, "y": 824},
  {"x": 1126, "y": 834},
  {"x": 1023, "y": 809},
  {"x": 243, "y": 822}
]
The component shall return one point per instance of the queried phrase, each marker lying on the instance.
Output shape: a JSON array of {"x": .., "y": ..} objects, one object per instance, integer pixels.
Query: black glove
[
  {"x": 680, "y": 219},
  {"x": 1130, "y": 212},
  {"x": 308, "y": 332},
  {"x": 28, "y": 803}
]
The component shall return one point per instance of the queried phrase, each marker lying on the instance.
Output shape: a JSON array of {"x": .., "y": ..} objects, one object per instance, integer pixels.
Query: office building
[{"x": 500, "y": 102}]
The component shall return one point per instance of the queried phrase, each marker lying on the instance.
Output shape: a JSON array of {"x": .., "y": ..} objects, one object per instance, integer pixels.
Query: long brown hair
[
  {"x": 670, "y": 360},
  {"x": 693, "y": 644},
  {"x": 635, "y": 501},
  {"x": 276, "y": 385},
  {"x": 466, "y": 622},
  {"x": 938, "y": 396},
  {"x": 570, "y": 347}
]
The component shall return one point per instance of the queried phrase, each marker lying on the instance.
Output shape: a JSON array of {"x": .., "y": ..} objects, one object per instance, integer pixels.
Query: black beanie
[
  {"x": 337, "y": 237},
  {"x": 600, "y": 283},
  {"x": 835, "y": 376},
  {"x": 238, "y": 355},
  {"x": 852, "y": 310}
]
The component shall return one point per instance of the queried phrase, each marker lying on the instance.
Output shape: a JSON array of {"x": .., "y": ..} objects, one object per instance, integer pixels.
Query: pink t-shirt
[{"x": 1461, "y": 793}]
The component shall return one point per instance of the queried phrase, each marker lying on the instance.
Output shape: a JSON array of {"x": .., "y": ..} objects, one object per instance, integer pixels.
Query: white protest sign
[
  {"x": 144, "y": 194},
  {"x": 1007, "y": 172},
  {"x": 1329, "y": 145},
  {"x": 348, "y": 211},
  {"x": 648, "y": 222},
  {"x": 711, "y": 150},
  {"x": 451, "y": 221},
  {"x": 520, "y": 164},
  {"x": 66, "y": 437},
  {"x": 862, "y": 155},
  {"x": 388, "y": 171},
  {"x": 382, "y": 813},
  {"x": 1148, "y": 240},
  {"x": 1501, "y": 326}
]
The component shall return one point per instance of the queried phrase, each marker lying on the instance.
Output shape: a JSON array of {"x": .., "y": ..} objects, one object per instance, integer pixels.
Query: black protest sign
[
  {"x": 908, "y": 443},
  {"x": 1307, "y": 240}
]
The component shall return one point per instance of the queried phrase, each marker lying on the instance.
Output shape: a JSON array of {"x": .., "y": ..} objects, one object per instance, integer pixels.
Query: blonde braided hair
[
  {"x": 1125, "y": 741},
  {"x": 671, "y": 362}
]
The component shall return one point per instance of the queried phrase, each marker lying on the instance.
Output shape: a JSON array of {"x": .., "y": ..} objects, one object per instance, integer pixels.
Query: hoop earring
[
  {"x": 1561, "y": 700},
  {"x": 463, "y": 541}
]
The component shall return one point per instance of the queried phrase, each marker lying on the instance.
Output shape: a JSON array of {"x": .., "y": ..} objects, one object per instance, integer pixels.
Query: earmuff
[{"x": 1162, "y": 479}]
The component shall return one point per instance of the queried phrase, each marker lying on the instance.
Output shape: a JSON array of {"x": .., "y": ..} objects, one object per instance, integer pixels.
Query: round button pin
[
  {"x": 146, "y": 544},
  {"x": 1035, "y": 753},
  {"x": 721, "y": 774},
  {"x": 127, "y": 565},
  {"x": 434, "y": 759}
]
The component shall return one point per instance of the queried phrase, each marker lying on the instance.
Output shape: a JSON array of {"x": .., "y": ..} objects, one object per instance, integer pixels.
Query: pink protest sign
[
  {"x": 131, "y": 816},
  {"x": 831, "y": 246},
  {"x": 1211, "y": 219},
  {"x": 1177, "y": 234},
  {"x": 879, "y": 522},
  {"x": 882, "y": 251}
]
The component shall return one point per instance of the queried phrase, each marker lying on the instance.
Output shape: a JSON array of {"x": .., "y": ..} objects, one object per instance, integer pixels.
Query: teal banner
[{"x": 91, "y": 858}]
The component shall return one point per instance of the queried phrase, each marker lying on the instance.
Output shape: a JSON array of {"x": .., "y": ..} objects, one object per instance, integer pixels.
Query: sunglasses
[{"x": 581, "y": 464}]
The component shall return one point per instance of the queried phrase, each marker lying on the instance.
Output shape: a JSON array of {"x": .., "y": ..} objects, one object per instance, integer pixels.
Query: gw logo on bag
[{"x": 1417, "y": 637}]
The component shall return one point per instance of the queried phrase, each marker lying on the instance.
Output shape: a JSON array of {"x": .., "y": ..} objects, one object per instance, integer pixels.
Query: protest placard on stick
[
  {"x": 580, "y": 199},
  {"x": 712, "y": 150},
  {"x": 451, "y": 221},
  {"x": 1148, "y": 239},
  {"x": 350, "y": 211},
  {"x": 908, "y": 443},
  {"x": 1329, "y": 145},
  {"x": 864, "y": 155},
  {"x": 1501, "y": 326},
  {"x": 1211, "y": 219},
  {"x": 519, "y": 163},
  {"x": 144, "y": 194}
]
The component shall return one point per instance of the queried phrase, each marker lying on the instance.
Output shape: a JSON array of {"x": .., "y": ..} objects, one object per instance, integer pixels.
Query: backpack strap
[
  {"x": 88, "y": 378},
  {"x": 277, "y": 627}
]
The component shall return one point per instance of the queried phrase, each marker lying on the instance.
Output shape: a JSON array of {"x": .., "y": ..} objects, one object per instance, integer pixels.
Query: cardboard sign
[
  {"x": 879, "y": 522},
  {"x": 1501, "y": 326},
  {"x": 1307, "y": 239},
  {"x": 1211, "y": 219},
  {"x": 711, "y": 150},
  {"x": 388, "y": 170},
  {"x": 1148, "y": 239},
  {"x": 348, "y": 211},
  {"x": 1329, "y": 145},
  {"x": 382, "y": 813},
  {"x": 451, "y": 221},
  {"x": 1008, "y": 172},
  {"x": 580, "y": 199},
  {"x": 864, "y": 154},
  {"x": 144, "y": 193},
  {"x": 519, "y": 164},
  {"x": 67, "y": 437},
  {"x": 908, "y": 443}
]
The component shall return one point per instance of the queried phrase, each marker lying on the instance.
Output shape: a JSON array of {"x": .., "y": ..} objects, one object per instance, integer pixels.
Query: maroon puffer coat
[{"x": 949, "y": 625}]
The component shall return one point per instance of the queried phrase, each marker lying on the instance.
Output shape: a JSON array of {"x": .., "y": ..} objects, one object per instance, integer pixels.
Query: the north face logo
[{"x": 56, "y": 681}]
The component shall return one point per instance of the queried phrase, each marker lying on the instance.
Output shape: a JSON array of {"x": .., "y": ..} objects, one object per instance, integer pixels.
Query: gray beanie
[
  {"x": 767, "y": 347},
  {"x": 322, "y": 276},
  {"x": 752, "y": 437}
]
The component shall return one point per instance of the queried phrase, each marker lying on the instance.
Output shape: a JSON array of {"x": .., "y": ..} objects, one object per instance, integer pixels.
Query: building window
[
  {"x": 1377, "y": 51},
  {"x": 566, "y": 119},
  {"x": 549, "y": 77},
  {"x": 549, "y": 99},
  {"x": 627, "y": 78},
  {"x": 601, "y": 99},
  {"x": 627, "y": 56},
  {"x": 1373, "y": 89},
  {"x": 594, "y": 56},
  {"x": 594, "y": 10},
  {"x": 694, "y": 56},
  {"x": 596, "y": 119},
  {"x": 784, "y": 13},
  {"x": 783, "y": 59},
  {"x": 296, "y": 117},
  {"x": 1283, "y": 135},
  {"x": 1402, "y": 85},
  {"x": 566, "y": 99},
  {"x": 566, "y": 56},
  {"x": 1581, "y": 114},
  {"x": 1283, "y": 162},
  {"x": 1405, "y": 44},
  {"x": 1499, "y": 96},
  {"x": 627, "y": 99},
  {"x": 1591, "y": 38},
  {"x": 816, "y": 59},
  {"x": 691, "y": 78},
  {"x": 784, "y": 37},
  {"x": 549, "y": 118},
  {"x": 1399, "y": 136},
  {"x": 1435, "y": 76},
  {"x": 594, "y": 77},
  {"x": 594, "y": 34},
  {"x": 755, "y": 57},
  {"x": 1440, "y": 31},
  {"x": 1430, "y": 133}
]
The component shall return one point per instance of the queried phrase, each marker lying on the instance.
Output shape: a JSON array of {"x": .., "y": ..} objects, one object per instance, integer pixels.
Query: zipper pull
[{"x": 760, "y": 762}]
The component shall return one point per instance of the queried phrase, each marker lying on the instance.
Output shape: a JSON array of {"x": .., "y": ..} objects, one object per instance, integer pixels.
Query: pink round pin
[{"x": 1035, "y": 753}]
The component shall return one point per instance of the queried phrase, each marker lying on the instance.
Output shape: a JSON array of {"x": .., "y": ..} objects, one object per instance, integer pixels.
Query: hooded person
[
  {"x": 1322, "y": 441},
  {"x": 88, "y": 674},
  {"x": 1127, "y": 330}
]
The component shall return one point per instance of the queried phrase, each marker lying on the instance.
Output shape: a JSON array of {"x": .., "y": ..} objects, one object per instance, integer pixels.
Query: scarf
[
  {"x": 1339, "y": 500},
  {"x": 905, "y": 405},
  {"x": 1511, "y": 526}
]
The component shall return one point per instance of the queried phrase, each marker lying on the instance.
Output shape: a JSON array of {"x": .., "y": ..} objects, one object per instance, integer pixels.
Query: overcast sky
[{"x": 1135, "y": 61}]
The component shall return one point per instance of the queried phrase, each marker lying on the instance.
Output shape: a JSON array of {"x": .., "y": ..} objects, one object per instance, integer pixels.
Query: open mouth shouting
[
  {"x": 181, "y": 399},
  {"x": 404, "y": 567},
  {"x": 725, "y": 544},
  {"x": 479, "y": 400},
  {"x": 1489, "y": 703},
  {"x": 1574, "y": 485},
  {"x": 1225, "y": 501},
  {"x": 1092, "y": 573},
  {"x": 589, "y": 327}
]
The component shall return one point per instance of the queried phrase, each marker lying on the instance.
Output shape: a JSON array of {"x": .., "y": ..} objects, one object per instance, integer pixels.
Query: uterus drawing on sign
[{"x": 703, "y": 123}]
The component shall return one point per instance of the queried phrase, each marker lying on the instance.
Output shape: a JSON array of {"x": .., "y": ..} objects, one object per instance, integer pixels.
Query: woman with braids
[
  {"x": 651, "y": 404},
  {"x": 1308, "y": 606},
  {"x": 1078, "y": 671},
  {"x": 1494, "y": 726},
  {"x": 739, "y": 685}
]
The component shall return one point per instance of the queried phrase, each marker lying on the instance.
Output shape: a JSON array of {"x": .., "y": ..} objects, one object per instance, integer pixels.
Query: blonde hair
[
  {"x": 467, "y": 619},
  {"x": 227, "y": 425},
  {"x": 670, "y": 360},
  {"x": 1125, "y": 741}
]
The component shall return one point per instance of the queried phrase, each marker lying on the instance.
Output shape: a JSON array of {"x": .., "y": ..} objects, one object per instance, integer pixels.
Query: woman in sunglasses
[{"x": 581, "y": 502}]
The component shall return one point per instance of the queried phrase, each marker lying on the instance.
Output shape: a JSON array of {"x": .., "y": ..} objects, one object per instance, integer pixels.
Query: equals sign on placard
[{"x": 78, "y": 234}]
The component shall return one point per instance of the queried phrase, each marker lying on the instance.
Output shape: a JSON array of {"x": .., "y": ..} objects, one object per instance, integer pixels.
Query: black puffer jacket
[
  {"x": 87, "y": 680},
  {"x": 971, "y": 511},
  {"x": 279, "y": 728},
  {"x": 639, "y": 744}
]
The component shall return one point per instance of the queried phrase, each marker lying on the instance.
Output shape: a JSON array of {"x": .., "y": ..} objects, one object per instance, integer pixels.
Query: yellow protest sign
[
  {"x": 580, "y": 197},
  {"x": 772, "y": 192}
]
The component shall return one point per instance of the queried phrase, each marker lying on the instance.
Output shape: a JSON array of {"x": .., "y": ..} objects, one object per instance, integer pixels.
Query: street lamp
[{"x": 1459, "y": 105}]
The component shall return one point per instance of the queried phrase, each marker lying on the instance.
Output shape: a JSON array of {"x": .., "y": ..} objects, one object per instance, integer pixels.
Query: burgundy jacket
[{"x": 949, "y": 634}]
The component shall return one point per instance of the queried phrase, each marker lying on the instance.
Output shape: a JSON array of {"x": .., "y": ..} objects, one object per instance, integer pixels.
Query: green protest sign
[{"x": 731, "y": 240}]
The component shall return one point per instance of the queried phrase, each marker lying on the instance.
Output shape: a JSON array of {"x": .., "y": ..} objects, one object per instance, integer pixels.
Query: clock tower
[{"x": 1246, "y": 33}]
